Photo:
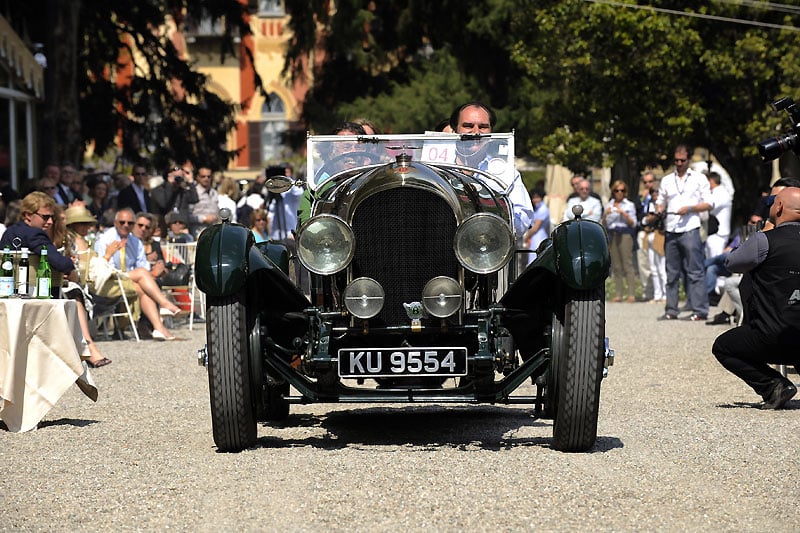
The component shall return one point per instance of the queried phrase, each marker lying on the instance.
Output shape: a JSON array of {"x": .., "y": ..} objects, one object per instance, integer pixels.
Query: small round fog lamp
[
  {"x": 442, "y": 297},
  {"x": 364, "y": 297}
]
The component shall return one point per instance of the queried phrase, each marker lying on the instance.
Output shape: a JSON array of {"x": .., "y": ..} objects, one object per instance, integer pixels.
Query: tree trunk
[{"x": 61, "y": 131}]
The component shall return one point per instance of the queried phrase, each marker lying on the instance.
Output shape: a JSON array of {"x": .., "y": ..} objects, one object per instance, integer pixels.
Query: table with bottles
[{"x": 41, "y": 345}]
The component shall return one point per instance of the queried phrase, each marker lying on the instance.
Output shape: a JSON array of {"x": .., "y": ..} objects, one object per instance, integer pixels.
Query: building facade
[
  {"x": 263, "y": 119},
  {"x": 21, "y": 90}
]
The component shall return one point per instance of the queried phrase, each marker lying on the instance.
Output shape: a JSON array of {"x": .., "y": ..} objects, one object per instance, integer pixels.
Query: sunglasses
[
  {"x": 145, "y": 226},
  {"x": 125, "y": 222},
  {"x": 619, "y": 190},
  {"x": 769, "y": 200},
  {"x": 46, "y": 218}
]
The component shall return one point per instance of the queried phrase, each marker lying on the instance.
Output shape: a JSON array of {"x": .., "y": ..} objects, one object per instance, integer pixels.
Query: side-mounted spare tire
[
  {"x": 233, "y": 400},
  {"x": 577, "y": 359}
]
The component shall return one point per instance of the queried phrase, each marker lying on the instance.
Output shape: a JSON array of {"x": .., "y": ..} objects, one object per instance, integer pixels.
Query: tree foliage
[
  {"x": 583, "y": 83},
  {"x": 405, "y": 63},
  {"x": 115, "y": 77}
]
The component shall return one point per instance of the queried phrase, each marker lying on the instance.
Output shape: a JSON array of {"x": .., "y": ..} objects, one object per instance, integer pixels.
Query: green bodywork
[
  {"x": 580, "y": 254},
  {"x": 227, "y": 254}
]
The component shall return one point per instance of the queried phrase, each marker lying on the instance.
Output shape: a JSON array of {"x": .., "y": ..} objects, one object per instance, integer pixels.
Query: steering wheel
[{"x": 337, "y": 164}]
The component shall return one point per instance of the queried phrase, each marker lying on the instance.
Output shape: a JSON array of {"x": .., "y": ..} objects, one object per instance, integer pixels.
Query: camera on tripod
[{"x": 775, "y": 147}]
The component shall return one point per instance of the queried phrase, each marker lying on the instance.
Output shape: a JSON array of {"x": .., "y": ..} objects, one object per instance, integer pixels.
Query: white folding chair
[{"x": 114, "y": 308}]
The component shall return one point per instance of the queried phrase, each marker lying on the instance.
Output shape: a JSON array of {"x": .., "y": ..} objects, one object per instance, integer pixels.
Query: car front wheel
[
  {"x": 233, "y": 405},
  {"x": 577, "y": 370}
]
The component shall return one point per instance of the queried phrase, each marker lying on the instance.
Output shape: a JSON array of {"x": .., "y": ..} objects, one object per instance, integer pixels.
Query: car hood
[{"x": 465, "y": 191}]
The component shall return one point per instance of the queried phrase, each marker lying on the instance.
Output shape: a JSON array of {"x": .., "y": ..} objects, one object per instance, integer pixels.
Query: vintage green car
[{"x": 415, "y": 293}]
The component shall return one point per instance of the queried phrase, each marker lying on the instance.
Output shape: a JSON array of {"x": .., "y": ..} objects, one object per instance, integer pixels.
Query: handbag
[
  {"x": 713, "y": 224},
  {"x": 176, "y": 274}
]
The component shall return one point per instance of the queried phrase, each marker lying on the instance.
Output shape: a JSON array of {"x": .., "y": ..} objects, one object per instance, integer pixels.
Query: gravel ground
[{"x": 681, "y": 447}]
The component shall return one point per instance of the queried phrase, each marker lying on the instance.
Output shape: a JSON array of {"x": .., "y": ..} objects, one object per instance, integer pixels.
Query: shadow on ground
[{"x": 427, "y": 427}]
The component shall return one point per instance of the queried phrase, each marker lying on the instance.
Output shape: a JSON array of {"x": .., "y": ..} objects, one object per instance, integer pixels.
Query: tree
[
  {"x": 625, "y": 85},
  {"x": 583, "y": 83},
  {"x": 115, "y": 77},
  {"x": 405, "y": 63}
]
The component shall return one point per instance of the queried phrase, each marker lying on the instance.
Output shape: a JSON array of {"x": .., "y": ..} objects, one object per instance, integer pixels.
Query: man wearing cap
[
  {"x": 178, "y": 230},
  {"x": 125, "y": 252}
]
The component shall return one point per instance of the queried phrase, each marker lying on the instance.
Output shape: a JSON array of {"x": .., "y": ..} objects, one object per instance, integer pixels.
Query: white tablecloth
[{"x": 41, "y": 345}]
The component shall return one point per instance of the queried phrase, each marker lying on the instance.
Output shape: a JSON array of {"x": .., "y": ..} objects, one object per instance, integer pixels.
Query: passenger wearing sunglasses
[{"x": 38, "y": 210}]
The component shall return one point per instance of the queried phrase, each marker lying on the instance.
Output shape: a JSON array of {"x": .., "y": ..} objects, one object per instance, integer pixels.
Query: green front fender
[
  {"x": 221, "y": 263},
  {"x": 581, "y": 256}
]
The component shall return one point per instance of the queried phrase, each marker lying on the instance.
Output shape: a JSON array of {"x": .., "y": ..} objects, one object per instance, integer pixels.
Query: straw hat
[{"x": 79, "y": 213}]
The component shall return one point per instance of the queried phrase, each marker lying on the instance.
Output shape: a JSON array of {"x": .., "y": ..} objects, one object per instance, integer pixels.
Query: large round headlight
[
  {"x": 364, "y": 297},
  {"x": 484, "y": 243},
  {"x": 325, "y": 244},
  {"x": 442, "y": 297}
]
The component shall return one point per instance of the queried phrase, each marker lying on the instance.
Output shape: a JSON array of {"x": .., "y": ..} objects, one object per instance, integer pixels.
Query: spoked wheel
[
  {"x": 230, "y": 376},
  {"x": 576, "y": 370}
]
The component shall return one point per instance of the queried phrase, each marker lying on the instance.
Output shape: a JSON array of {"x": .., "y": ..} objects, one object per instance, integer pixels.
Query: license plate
[{"x": 389, "y": 362}]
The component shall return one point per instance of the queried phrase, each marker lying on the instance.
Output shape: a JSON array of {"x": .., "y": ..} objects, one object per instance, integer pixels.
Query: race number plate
[{"x": 389, "y": 362}]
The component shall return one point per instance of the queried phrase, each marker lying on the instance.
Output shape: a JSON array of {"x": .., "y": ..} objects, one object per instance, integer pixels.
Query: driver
[
  {"x": 337, "y": 161},
  {"x": 477, "y": 118},
  {"x": 337, "y": 158}
]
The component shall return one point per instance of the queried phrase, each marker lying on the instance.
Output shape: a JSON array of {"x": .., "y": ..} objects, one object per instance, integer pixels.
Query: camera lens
[{"x": 776, "y": 146}]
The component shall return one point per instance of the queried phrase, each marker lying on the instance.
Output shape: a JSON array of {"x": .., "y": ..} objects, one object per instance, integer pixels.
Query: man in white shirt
[
  {"x": 205, "y": 211},
  {"x": 683, "y": 195},
  {"x": 592, "y": 207},
  {"x": 475, "y": 117},
  {"x": 125, "y": 252},
  {"x": 721, "y": 198}
]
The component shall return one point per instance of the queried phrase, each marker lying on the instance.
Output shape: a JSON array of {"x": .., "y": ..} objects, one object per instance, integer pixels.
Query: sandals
[{"x": 97, "y": 364}]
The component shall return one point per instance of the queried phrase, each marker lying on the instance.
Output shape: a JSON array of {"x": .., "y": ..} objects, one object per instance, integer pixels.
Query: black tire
[
  {"x": 233, "y": 400},
  {"x": 578, "y": 371}
]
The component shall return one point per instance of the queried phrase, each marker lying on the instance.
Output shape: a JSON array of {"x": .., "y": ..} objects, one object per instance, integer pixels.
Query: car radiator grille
[{"x": 404, "y": 237}]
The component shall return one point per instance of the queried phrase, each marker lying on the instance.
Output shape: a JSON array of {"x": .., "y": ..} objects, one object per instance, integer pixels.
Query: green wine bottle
[{"x": 44, "y": 276}]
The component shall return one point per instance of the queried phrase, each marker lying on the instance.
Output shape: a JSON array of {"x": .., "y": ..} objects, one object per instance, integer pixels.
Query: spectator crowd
[{"x": 122, "y": 226}]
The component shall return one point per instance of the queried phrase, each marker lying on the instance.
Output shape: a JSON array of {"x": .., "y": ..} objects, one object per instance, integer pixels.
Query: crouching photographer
[{"x": 768, "y": 261}]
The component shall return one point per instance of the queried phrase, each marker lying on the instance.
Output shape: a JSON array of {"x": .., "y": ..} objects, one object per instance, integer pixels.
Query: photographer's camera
[{"x": 775, "y": 147}]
